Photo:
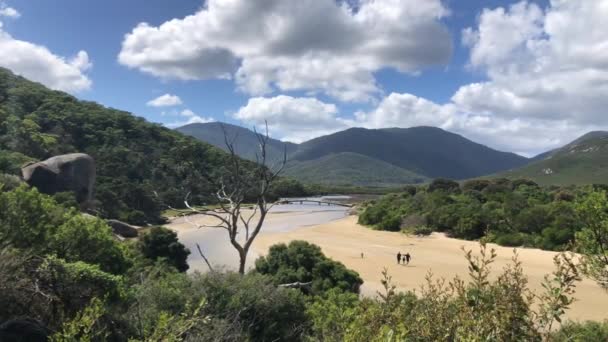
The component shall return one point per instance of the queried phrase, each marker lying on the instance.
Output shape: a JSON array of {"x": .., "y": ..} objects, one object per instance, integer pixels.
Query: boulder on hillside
[
  {"x": 69, "y": 172},
  {"x": 122, "y": 229}
]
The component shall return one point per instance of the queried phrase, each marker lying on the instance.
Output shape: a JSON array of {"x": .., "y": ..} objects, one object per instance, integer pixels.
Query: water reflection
[{"x": 282, "y": 218}]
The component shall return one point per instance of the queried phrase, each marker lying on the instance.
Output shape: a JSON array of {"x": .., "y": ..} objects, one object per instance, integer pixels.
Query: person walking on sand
[
  {"x": 399, "y": 257},
  {"x": 407, "y": 257}
]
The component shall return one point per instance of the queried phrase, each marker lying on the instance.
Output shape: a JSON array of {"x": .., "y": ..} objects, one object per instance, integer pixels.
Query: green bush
[
  {"x": 304, "y": 262},
  {"x": 162, "y": 243},
  {"x": 263, "y": 311},
  {"x": 420, "y": 231},
  {"x": 511, "y": 239},
  {"x": 581, "y": 332},
  {"x": 390, "y": 222},
  {"x": 9, "y": 182},
  {"x": 28, "y": 219},
  {"x": 89, "y": 239}
]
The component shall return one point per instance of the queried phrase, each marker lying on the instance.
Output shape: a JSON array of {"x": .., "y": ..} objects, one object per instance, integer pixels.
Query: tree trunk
[{"x": 242, "y": 261}]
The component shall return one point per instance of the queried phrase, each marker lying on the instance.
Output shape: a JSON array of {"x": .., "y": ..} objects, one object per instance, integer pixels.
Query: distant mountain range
[
  {"x": 371, "y": 157},
  {"x": 583, "y": 161}
]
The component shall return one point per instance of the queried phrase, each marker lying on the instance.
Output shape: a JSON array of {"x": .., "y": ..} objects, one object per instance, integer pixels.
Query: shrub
[
  {"x": 89, "y": 239},
  {"x": 413, "y": 221},
  {"x": 9, "y": 182},
  {"x": 390, "y": 222},
  {"x": 304, "y": 262},
  {"x": 161, "y": 242},
  {"x": 263, "y": 311},
  {"x": 445, "y": 185},
  {"x": 581, "y": 332},
  {"x": 421, "y": 231},
  {"x": 511, "y": 239},
  {"x": 28, "y": 219}
]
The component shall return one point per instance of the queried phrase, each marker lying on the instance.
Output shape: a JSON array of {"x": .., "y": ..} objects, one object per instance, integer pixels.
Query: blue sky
[{"x": 379, "y": 63}]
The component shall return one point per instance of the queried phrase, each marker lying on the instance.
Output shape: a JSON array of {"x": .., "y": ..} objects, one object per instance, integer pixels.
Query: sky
[{"x": 519, "y": 76}]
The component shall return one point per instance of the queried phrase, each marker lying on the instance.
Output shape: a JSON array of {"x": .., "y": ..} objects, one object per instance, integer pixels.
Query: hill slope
[
  {"x": 135, "y": 159},
  {"x": 348, "y": 168},
  {"x": 364, "y": 156},
  {"x": 428, "y": 151},
  {"x": 584, "y": 161},
  {"x": 245, "y": 140}
]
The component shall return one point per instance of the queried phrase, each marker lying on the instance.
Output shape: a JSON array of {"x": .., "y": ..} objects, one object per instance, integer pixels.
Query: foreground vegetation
[
  {"x": 64, "y": 275},
  {"x": 509, "y": 213}
]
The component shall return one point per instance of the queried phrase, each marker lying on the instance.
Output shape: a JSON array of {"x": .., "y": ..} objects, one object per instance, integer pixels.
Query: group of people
[{"x": 405, "y": 258}]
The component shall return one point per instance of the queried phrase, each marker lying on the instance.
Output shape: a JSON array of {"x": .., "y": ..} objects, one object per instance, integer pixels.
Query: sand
[{"x": 344, "y": 240}]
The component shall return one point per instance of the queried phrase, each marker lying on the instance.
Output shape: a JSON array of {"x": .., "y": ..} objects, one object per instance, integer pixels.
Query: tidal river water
[{"x": 282, "y": 218}]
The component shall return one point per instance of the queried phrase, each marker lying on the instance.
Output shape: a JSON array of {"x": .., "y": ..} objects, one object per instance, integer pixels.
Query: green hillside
[
  {"x": 427, "y": 151},
  {"x": 584, "y": 161},
  {"x": 245, "y": 141},
  {"x": 382, "y": 157},
  {"x": 350, "y": 169},
  {"x": 135, "y": 159}
]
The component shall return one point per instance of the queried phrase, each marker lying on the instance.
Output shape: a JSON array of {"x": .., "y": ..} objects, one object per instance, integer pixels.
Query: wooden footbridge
[{"x": 308, "y": 201}]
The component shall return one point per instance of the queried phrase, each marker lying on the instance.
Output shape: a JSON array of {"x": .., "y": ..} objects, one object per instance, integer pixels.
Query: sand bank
[{"x": 344, "y": 240}]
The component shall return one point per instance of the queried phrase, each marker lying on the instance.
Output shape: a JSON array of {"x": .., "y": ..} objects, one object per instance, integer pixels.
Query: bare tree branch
[{"x": 204, "y": 257}]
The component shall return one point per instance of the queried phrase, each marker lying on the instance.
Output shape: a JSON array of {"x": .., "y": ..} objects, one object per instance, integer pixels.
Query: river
[{"x": 282, "y": 218}]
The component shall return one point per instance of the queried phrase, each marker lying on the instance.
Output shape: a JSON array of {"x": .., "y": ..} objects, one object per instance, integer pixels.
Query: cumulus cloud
[
  {"x": 166, "y": 100},
  {"x": 37, "y": 63},
  {"x": 292, "y": 119},
  {"x": 310, "y": 45},
  {"x": 527, "y": 136},
  {"x": 8, "y": 12},
  {"x": 547, "y": 64},
  {"x": 192, "y": 118},
  {"x": 547, "y": 80}
]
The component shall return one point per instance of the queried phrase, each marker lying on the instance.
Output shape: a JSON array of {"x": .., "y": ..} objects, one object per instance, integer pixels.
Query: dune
[{"x": 344, "y": 240}]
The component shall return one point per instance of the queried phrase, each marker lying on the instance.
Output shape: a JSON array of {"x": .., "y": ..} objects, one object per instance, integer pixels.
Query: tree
[
  {"x": 592, "y": 240},
  {"x": 240, "y": 182},
  {"x": 161, "y": 242},
  {"x": 304, "y": 262},
  {"x": 447, "y": 185}
]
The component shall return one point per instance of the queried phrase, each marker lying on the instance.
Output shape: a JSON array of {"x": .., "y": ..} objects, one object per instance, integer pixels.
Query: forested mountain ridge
[
  {"x": 136, "y": 160},
  {"x": 583, "y": 161},
  {"x": 427, "y": 152}
]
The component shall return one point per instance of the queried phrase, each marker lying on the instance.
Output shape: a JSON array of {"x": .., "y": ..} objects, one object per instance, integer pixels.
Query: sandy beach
[{"x": 344, "y": 240}]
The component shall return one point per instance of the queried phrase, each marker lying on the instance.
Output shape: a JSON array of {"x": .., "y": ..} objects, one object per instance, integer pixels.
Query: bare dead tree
[{"x": 242, "y": 181}]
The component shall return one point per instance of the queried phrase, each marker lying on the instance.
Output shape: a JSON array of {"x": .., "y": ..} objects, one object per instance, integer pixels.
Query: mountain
[
  {"x": 135, "y": 159},
  {"x": 245, "y": 141},
  {"x": 427, "y": 151},
  {"x": 378, "y": 157},
  {"x": 583, "y": 161},
  {"x": 349, "y": 168}
]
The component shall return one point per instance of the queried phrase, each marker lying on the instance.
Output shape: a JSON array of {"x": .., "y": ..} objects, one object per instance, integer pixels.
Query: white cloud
[
  {"x": 187, "y": 113},
  {"x": 192, "y": 118},
  {"x": 37, "y": 63},
  {"x": 9, "y": 12},
  {"x": 166, "y": 100},
  {"x": 549, "y": 64},
  {"x": 546, "y": 82},
  {"x": 292, "y": 119},
  {"x": 309, "y": 45},
  {"x": 525, "y": 136}
]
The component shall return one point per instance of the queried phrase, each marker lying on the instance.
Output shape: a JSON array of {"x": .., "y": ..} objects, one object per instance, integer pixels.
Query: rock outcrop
[
  {"x": 70, "y": 172},
  {"x": 122, "y": 229}
]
